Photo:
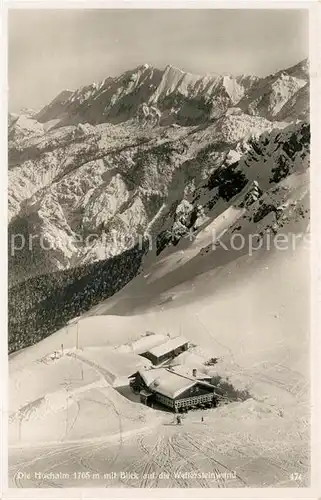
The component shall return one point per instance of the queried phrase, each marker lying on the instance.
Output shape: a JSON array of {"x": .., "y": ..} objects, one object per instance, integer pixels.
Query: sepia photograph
[{"x": 159, "y": 324}]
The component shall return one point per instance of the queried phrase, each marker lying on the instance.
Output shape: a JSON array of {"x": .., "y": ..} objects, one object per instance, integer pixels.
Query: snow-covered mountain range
[
  {"x": 141, "y": 208},
  {"x": 182, "y": 97},
  {"x": 90, "y": 177}
]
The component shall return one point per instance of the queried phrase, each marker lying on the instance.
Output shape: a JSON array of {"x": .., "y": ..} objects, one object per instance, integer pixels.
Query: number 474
[{"x": 296, "y": 476}]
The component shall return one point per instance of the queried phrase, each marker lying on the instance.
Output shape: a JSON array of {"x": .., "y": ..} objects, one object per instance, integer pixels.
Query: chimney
[{"x": 194, "y": 372}]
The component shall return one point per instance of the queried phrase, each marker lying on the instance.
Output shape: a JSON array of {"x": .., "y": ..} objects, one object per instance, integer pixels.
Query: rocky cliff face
[{"x": 88, "y": 182}]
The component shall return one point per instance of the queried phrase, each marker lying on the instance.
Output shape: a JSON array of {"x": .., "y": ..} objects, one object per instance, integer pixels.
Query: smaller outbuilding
[{"x": 167, "y": 350}]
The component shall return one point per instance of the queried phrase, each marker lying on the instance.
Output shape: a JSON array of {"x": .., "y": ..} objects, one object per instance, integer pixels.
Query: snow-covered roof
[
  {"x": 168, "y": 346},
  {"x": 147, "y": 343},
  {"x": 171, "y": 384},
  {"x": 168, "y": 383},
  {"x": 149, "y": 375}
]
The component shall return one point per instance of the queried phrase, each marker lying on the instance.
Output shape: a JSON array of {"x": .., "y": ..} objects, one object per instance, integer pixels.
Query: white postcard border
[{"x": 314, "y": 491}]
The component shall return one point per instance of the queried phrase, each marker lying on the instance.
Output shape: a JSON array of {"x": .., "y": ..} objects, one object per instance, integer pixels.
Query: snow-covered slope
[
  {"x": 66, "y": 409},
  {"x": 75, "y": 182},
  {"x": 171, "y": 203}
]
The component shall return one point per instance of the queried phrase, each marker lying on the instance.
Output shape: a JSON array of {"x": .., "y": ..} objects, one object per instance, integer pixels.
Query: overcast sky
[{"x": 52, "y": 50}]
